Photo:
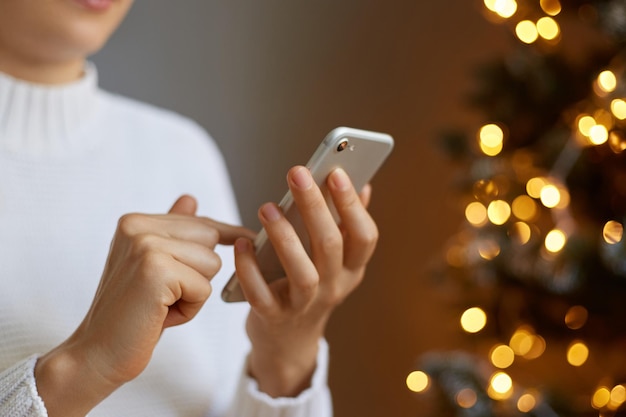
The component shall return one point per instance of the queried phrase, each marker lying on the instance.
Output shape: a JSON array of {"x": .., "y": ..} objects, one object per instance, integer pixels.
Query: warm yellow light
[
  {"x": 526, "y": 31},
  {"x": 498, "y": 212},
  {"x": 476, "y": 213},
  {"x": 555, "y": 240},
  {"x": 601, "y": 398},
  {"x": 547, "y": 28},
  {"x": 505, "y": 8},
  {"x": 526, "y": 402},
  {"x": 502, "y": 356},
  {"x": 521, "y": 232},
  {"x": 537, "y": 347},
  {"x": 524, "y": 208},
  {"x": 617, "y": 141},
  {"x": 417, "y": 381},
  {"x": 564, "y": 198},
  {"x": 522, "y": 341},
  {"x": 585, "y": 123},
  {"x": 491, "y": 5},
  {"x": 491, "y": 135},
  {"x": 488, "y": 249},
  {"x": 618, "y": 108},
  {"x": 612, "y": 232},
  {"x": 576, "y": 317},
  {"x": 607, "y": 81},
  {"x": 577, "y": 353},
  {"x": 618, "y": 396},
  {"x": 598, "y": 134},
  {"x": 550, "y": 196},
  {"x": 534, "y": 186},
  {"x": 473, "y": 320},
  {"x": 551, "y": 7},
  {"x": 501, "y": 383},
  {"x": 491, "y": 150},
  {"x": 466, "y": 398}
]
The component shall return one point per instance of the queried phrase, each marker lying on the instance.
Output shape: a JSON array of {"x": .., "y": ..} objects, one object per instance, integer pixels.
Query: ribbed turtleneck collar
[{"x": 40, "y": 120}]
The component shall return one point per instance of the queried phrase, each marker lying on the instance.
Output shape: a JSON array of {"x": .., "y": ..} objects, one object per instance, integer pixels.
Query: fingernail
[
  {"x": 340, "y": 179},
  {"x": 242, "y": 245},
  {"x": 270, "y": 212},
  {"x": 301, "y": 178}
]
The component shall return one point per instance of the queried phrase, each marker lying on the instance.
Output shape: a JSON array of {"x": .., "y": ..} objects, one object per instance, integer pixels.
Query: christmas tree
[{"x": 541, "y": 258}]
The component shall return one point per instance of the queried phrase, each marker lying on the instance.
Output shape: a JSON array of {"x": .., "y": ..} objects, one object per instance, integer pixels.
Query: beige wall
[{"x": 269, "y": 79}]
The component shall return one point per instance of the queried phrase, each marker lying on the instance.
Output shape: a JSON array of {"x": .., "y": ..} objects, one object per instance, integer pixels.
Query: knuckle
[
  {"x": 152, "y": 263},
  {"x": 129, "y": 223}
]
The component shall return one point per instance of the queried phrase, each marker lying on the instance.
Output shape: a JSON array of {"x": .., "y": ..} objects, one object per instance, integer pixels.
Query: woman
[{"x": 79, "y": 165}]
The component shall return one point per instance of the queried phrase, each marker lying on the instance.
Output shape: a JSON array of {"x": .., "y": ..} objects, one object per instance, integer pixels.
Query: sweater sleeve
[
  {"x": 18, "y": 391},
  {"x": 315, "y": 401}
]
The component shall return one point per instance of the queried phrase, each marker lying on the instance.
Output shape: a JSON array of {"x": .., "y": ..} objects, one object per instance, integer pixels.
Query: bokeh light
[
  {"x": 548, "y": 28},
  {"x": 476, "y": 214},
  {"x": 502, "y": 356},
  {"x": 607, "y": 81},
  {"x": 612, "y": 232},
  {"x": 498, "y": 212},
  {"x": 466, "y": 398},
  {"x": 618, "y": 108},
  {"x": 473, "y": 320},
  {"x": 417, "y": 381},
  {"x": 524, "y": 208},
  {"x": 577, "y": 353},
  {"x": 526, "y": 31},
  {"x": 555, "y": 240},
  {"x": 576, "y": 317}
]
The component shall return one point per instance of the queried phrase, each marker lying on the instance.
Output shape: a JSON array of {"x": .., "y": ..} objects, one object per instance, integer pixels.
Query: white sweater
[{"x": 73, "y": 159}]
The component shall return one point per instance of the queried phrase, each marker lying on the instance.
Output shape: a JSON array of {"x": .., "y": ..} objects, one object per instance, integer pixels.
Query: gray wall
[{"x": 269, "y": 79}]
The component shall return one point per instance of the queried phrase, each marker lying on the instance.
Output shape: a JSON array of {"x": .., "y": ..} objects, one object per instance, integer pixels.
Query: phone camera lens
[{"x": 342, "y": 145}]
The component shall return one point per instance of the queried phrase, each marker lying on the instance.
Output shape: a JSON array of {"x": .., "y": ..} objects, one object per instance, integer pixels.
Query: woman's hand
[
  {"x": 157, "y": 275},
  {"x": 288, "y": 317}
]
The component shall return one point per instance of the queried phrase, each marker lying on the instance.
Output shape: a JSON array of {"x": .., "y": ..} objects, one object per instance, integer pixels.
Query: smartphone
[{"x": 359, "y": 152}]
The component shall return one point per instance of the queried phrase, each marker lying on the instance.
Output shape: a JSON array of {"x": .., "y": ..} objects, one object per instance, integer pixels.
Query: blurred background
[
  {"x": 269, "y": 80},
  {"x": 499, "y": 282}
]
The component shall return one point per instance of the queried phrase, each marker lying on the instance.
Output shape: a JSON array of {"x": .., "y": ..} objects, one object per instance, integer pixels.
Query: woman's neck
[{"x": 40, "y": 71}]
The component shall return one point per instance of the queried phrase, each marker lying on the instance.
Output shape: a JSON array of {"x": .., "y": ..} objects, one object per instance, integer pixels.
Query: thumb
[{"x": 185, "y": 204}]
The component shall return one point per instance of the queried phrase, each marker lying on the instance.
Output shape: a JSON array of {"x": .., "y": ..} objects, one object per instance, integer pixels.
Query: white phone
[{"x": 359, "y": 152}]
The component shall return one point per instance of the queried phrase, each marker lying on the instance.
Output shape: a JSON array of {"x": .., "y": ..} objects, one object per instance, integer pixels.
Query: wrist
[
  {"x": 67, "y": 384},
  {"x": 284, "y": 372}
]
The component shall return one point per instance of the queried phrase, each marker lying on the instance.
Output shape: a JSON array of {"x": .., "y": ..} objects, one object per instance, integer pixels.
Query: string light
[
  {"x": 612, "y": 232},
  {"x": 504, "y": 8},
  {"x": 585, "y": 123},
  {"x": 476, "y": 214},
  {"x": 600, "y": 398},
  {"x": 521, "y": 232},
  {"x": 500, "y": 386},
  {"x": 577, "y": 353},
  {"x": 598, "y": 134},
  {"x": 502, "y": 356},
  {"x": 618, "y": 108},
  {"x": 576, "y": 317},
  {"x": 534, "y": 186},
  {"x": 555, "y": 240},
  {"x": 548, "y": 28},
  {"x": 417, "y": 381},
  {"x": 526, "y": 31},
  {"x": 617, "y": 397},
  {"x": 607, "y": 81},
  {"x": 550, "y": 196},
  {"x": 498, "y": 212},
  {"x": 491, "y": 139},
  {"x": 527, "y": 402},
  {"x": 551, "y": 7},
  {"x": 524, "y": 208},
  {"x": 473, "y": 320}
]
